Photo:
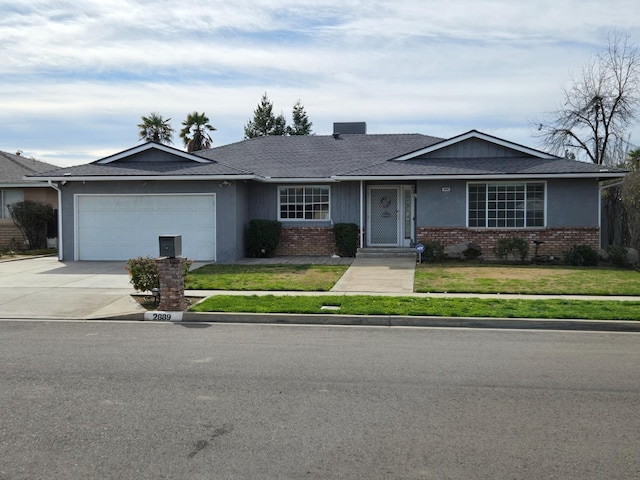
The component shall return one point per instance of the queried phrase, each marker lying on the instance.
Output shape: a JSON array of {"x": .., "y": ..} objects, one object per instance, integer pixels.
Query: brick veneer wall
[
  {"x": 556, "y": 240},
  {"x": 306, "y": 241}
]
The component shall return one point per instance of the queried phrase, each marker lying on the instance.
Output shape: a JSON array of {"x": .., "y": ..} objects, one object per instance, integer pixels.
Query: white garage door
[{"x": 119, "y": 227}]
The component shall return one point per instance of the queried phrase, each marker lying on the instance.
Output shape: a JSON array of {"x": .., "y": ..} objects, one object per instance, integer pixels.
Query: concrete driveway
[{"x": 44, "y": 287}]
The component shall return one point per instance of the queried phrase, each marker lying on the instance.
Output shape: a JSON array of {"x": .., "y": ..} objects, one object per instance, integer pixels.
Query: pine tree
[
  {"x": 301, "y": 124},
  {"x": 264, "y": 121}
]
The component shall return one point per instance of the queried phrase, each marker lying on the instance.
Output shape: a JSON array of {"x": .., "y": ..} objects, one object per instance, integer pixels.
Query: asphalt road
[{"x": 169, "y": 401}]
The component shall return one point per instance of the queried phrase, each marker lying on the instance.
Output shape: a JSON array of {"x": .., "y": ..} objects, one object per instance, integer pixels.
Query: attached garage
[{"x": 119, "y": 227}]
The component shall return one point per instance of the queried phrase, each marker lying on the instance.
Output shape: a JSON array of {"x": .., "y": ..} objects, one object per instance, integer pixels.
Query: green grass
[
  {"x": 305, "y": 278},
  {"x": 526, "y": 279},
  {"x": 414, "y": 306}
]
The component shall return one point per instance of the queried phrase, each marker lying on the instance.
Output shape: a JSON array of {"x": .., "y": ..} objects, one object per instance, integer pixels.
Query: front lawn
[
  {"x": 304, "y": 278},
  {"x": 423, "y": 306},
  {"x": 526, "y": 279}
]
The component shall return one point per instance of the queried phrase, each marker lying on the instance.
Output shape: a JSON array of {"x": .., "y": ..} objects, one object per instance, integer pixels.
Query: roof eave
[
  {"x": 34, "y": 184},
  {"x": 296, "y": 179},
  {"x": 477, "y": 177},
  {"x": 120, "y": 178}
]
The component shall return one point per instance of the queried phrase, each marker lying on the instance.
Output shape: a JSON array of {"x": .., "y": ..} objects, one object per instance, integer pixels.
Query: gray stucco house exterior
[{"x": 398, "y": 188}]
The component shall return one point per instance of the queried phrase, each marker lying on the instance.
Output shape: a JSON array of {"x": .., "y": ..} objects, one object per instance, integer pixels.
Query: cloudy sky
[{"x": 76, "y": 76}]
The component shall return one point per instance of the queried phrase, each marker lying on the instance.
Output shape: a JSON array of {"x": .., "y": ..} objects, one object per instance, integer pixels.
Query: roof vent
[
  {"x": 336, "y": 135},
  {"x": 349, "y": 128}
]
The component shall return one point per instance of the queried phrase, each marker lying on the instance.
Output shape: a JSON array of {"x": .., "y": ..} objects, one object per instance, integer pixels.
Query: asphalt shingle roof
[
  {"x": 322, "y": 157},
  {"x": 315, "y": 156},
  {"x": 478, "y": 166},
  {"x": 14, "y": 167},
  {"x": 147, "y": 168}
]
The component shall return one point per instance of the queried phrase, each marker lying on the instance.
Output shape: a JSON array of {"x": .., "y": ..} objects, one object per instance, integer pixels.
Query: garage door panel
[
  {"x": 145, "y": 203},
  {"x": 120, "y": 227},
  {"x": 199, "y": 203}
]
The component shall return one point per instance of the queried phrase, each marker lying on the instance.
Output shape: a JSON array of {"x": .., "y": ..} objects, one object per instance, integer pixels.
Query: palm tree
[
  {"x": 195, "y": 133},
  {"x": 154, "y": 128}
]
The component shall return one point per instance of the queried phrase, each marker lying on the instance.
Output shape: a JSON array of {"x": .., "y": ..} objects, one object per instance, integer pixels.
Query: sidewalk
[{"x": 45, "y": 288}]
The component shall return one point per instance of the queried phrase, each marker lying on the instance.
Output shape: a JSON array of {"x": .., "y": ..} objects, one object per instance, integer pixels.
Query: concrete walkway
[{"x": 377, "y": 275}]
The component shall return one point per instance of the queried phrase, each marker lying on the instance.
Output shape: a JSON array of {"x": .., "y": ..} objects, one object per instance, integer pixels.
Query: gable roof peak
[
  {"x": 481, "y": 136},
  {"x": 150, "y": 145}
]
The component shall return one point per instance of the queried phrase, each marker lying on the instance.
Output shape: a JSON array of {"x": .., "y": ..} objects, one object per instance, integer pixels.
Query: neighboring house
[
  {"x": 14, "y": 188},
  {"x": 400, "y": 189}
]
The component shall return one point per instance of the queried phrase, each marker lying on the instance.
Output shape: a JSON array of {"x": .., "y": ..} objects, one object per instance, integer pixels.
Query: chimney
[{"x": 349, "y": 128}]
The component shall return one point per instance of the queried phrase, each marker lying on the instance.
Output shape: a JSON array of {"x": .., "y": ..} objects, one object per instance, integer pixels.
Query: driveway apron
[{"x": 44, "y": 287}]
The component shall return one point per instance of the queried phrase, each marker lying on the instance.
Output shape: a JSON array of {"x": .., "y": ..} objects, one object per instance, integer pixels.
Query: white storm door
[{"x": 384, "y": 222}]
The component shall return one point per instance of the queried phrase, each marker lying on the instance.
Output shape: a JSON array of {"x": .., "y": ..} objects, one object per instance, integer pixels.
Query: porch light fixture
[{"x": 224, "y": 184}]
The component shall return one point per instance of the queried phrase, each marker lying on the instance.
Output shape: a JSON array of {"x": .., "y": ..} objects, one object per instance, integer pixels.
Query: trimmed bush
[
  {"x": 433, "y": 251},
  {"x": 515, "y": 247},
  {"x": 346, "y": 237},
  {"x": 263, "y": 237},
  {"x": 581, "y": 256},
  {"x": 144, "y": 273},
  {"x": 617, "y": 255}
]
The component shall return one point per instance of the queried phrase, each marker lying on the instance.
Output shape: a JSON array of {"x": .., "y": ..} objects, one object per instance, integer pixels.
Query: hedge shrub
[
  {"x": 263, "y": 237},
  {"x": 515, "y": 247},
  {"x": 346, "y": 237},
  {"x": 581, "y": 256}
]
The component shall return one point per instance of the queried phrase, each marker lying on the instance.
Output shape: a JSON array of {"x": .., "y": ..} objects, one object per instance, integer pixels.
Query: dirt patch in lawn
[{"x": 149, "y": 303}]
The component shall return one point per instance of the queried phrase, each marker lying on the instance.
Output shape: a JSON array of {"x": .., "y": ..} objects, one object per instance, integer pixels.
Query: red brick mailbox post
[{"x": 171, "y": 276}]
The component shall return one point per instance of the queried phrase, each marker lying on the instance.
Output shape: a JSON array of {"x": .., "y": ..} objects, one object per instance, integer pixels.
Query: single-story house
[
  {"x": 15, "y": 188},
  {"x": 399, "y": 189}
]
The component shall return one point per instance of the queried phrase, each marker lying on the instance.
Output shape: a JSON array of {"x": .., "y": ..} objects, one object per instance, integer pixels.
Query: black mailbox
[{"x": 171, "y": 246}]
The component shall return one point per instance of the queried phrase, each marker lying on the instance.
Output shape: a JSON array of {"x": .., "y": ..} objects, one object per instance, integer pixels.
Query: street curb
[{"x": 401, "y": 321}]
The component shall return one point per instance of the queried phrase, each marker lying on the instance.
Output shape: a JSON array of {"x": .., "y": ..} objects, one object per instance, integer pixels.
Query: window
[
  {"x": 506, "y": 205},
  {"x": 7, "y": 197},
  {"x": 304, "y": 203}
]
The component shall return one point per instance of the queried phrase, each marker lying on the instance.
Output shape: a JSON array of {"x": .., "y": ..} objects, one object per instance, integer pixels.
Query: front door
[{"x": 390, "y": 219}]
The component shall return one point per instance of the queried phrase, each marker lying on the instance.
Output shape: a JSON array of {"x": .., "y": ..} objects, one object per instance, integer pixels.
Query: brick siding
[
  {"x": 557, "y": 241},
  {"x": 306, "y": 241}
]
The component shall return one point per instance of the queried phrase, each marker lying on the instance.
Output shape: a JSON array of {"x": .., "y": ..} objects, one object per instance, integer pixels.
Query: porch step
[{"x": 373, "y": 252}]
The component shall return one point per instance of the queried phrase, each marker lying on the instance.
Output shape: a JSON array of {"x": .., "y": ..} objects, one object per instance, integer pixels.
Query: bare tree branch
[{"x": 599, "y": 106}]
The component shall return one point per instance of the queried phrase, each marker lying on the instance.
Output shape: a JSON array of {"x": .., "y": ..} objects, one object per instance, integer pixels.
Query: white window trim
[
  {"x": 311, "y": 220},
  {"x": 507, "y": 182}
]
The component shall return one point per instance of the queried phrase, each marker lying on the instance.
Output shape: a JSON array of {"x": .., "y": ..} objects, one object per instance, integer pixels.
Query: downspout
[
  {"x": 601, "y": 188},
  {"x": 362, "y": 201},
  {"x": 56, "y": 187}
]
